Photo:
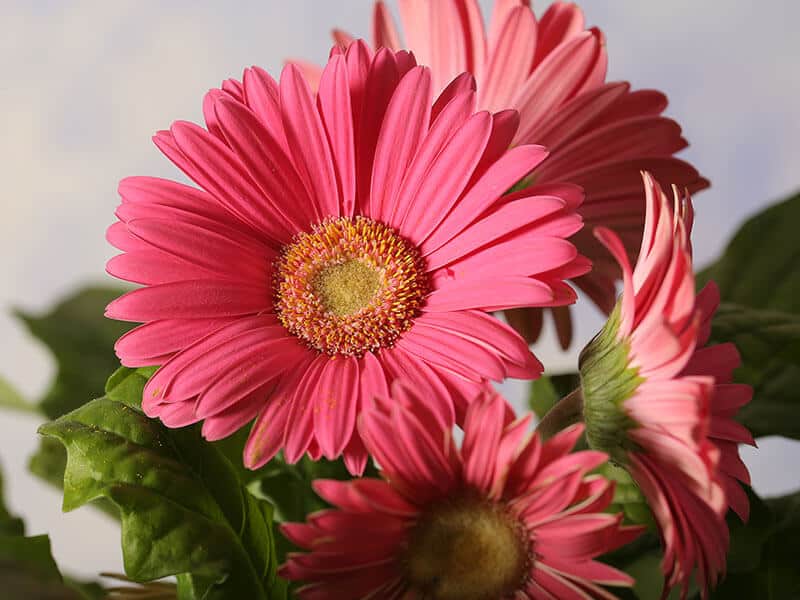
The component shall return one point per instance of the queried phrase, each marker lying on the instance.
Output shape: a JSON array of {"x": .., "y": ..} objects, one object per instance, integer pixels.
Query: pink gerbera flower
[
  {"x": 553, "y": 72},
  {"x": 504, "y": 517},
  {"x": 335, "y": 243},
  {"x": 661, "y": 406}
]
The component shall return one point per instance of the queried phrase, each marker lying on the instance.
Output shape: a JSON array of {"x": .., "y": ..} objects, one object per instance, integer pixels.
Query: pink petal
[
  {"x": 213, "y": 247},
  {"x": 483, "y": 429},
  {"x": 384, "y": 32},
  {"x": 380, "y": 83},
  {"x": 446, "y": 178},
  {"x": 307, "y": 141},
  {"x": 509, "y": 60},
  {"x": 267, "y": 435},
  {"x": 336, "y": 400},
  {"x": 458, "y": 354},
  {"x": 153, "y": 267},
  {"x": 214, "y": 298},
  {"x": 155, "y": 339},
  {"x": 507, "y": 218},
  {"x": 553, "y": 82},
  {"x": 559, "y": 23},
  {"x": 300, "y": 423},
  {"x": 497, "y": 180},
  {"x": 217, "y": 169},
  {"x": 229, "y": 421},
  {"x": 256, "y": 366},
  {"x": 287, "y": 201},
  {"x": 337, "y": 116},
  {"x": 480, "y": 328},
  {"x": 262, "y": 97},
  {"x": 404, "y": 125},
  {"x": 508, "y": 292}
]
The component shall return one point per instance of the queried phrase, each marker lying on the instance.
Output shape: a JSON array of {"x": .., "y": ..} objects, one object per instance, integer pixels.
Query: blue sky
[{"x": 86, "y": 83}]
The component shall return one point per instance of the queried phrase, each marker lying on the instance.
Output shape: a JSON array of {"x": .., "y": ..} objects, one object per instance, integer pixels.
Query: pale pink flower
[
  {"x": 553, "y": 71},
  {"x": 334, "y": 244},
  {"x": 662, "y": 406},
  {"x": 506, "y": 516}
]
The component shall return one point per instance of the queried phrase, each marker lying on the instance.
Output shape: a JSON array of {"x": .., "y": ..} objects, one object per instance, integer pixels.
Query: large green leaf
[
  {"x": 771, "y": 571},
  {"x": 769, "y": 343},
  {"x": 27, "y": 570},
  {"x": 9, "y": 524},
  {"x": 82, "y": 342},
  {"x": 11, "y": 398},
  {"x": 183, "y": 508},
  {"x": 759, "y": 267}
]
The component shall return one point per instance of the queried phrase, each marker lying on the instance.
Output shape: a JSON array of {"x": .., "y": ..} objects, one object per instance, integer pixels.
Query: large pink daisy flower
[
  {"x": 503, "y": 517},
  {"x": 553, "y": 72},
  {"x": 661, "y": 406},
  {"x": 335, "y": 243}
]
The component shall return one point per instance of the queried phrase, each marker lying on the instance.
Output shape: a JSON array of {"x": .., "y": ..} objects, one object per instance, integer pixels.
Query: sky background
[{"x": 86, "y": 83}]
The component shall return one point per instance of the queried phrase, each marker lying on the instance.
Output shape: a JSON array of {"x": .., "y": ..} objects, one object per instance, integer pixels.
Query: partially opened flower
[
  {"x": 662, "y": 406},
  {"x": 334, "y": 244},
  {"x": 506, "y": 516},
  {"x": 553, "y": 71}
]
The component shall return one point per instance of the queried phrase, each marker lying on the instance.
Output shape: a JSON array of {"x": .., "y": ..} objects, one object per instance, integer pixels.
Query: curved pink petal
[{"x": 308, "y": 144}]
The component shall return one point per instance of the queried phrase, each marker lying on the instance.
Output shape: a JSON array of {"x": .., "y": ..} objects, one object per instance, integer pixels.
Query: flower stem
[{"x": 566, "y": 412}]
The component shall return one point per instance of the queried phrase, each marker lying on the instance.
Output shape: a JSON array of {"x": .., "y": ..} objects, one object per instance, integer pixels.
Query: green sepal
[{"x": 607, "y": 381}]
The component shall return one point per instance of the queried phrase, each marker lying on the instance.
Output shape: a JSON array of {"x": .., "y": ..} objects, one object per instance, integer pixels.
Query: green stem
[{"x": 566, "y": 412}]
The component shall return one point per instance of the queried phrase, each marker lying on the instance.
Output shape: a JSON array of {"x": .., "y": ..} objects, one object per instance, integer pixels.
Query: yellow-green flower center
[
  {"x": 350, "y": 286},
  {"x": 470, "y": 550},
  {"x": 346, "y": 288}
]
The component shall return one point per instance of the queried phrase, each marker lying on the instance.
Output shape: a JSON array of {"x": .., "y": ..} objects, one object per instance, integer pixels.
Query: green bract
[{"x": 607, "y": 381}]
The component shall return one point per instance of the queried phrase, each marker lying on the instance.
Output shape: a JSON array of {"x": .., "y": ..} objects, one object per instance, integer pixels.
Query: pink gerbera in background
[
  {"x": 334, "y": 244},
  {"x": 662, "y": 406},
  {"x": 506, "y": 516},
  {"x": 553, "y": 71}
]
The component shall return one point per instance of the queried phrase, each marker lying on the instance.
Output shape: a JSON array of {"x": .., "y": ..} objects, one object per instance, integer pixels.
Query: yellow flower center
[
  {"x": 346, "y": 288},
  {"x": 468, "y": 551},
  {"x": 350, "y": 286}
]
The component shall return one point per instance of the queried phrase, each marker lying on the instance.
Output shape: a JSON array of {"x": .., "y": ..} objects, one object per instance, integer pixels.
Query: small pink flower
[
  {"x": 506, "y": 516},
  {"x": 553, "y": 71},
  {"x": 662, "y": 406},
  {"x": 335, "y": 242}
]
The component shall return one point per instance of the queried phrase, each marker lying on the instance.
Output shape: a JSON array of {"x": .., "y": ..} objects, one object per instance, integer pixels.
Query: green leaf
[
  {"x": 769, "y": 344},
  {"x": 9, "y": 524},
  {"x": 542, "y": 396},
  {"x": 759, "y": 267},
  {"x": 183, "y": 508},
  {"x": 775, "y": 575},
  {"x": 646, "y": 570},
  {"x": 748, "y": 539},
  {"x": 28, "y": 571},
  {"x": 13, "y": 399},
  {"x": 31, "y": 554},
  {"x": 126, "y": 385},
  {"x": 82, "y": 342}
]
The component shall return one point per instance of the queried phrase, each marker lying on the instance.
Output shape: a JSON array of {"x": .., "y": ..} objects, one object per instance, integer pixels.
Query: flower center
[
  {"x": 468, "y": 551},
  {"x": 350, "y": 286}
]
